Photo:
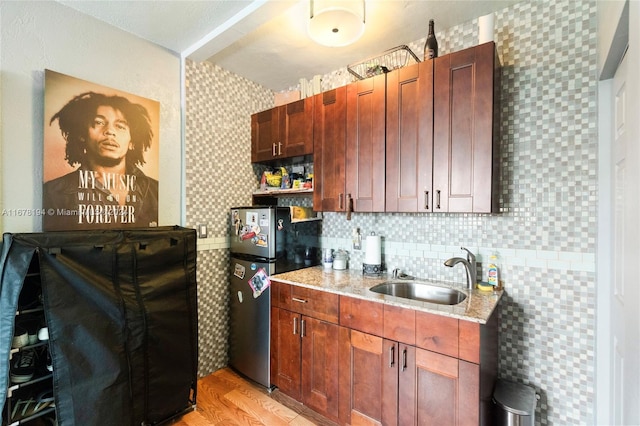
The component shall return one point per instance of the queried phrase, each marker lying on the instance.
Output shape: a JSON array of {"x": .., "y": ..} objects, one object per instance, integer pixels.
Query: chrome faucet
[
  {"x": 397, "y": 274},
  {"x": 469, "y": 265}
]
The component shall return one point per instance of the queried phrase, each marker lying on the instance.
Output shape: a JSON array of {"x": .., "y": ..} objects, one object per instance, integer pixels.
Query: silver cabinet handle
[
  {"x": 295, "y": 325},
  {"x": 392, "y": 356},
  {"x": 426, "y": 200},
  {"x": 404, "y": 359},
  {"x": 302, "y": 329},
  {"x": 340, "y": 200},
  {"x": 295, "y": 299},
  {"x": 438, "y": 199},
  {"x": 279, "y": 148},
  {"x": 273, "y": 149}
]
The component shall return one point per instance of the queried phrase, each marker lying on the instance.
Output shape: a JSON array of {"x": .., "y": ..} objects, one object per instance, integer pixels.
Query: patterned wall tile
[
  {"x": 218, "y": 143},
  {"x": 219, "y": 176},
  {"x": 546, "y": 231},
  {"x": 213, "y": 315}
]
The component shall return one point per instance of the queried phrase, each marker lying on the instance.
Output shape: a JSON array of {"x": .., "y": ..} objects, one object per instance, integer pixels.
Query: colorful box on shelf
[{"x": 303, "y": 214}]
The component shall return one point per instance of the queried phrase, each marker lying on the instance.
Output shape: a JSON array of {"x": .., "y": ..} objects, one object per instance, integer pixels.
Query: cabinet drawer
[
  {"x": 400, "y": 324},
  {"x": 469, "y": 341},
  {"x": 280, "y": 294},
  {"x": 313, "y": 303},
  {"x": 361, "y": 315},
  {"x": 437, "y": 333}
]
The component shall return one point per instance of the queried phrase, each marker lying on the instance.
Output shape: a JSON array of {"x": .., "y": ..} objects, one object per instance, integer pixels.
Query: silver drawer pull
[
  {"x": 295, "y": 299},
  {"x": 392, "y": 356}
]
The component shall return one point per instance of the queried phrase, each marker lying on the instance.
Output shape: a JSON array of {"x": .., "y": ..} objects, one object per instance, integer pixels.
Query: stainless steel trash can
[{"x": 515, "y": 404}]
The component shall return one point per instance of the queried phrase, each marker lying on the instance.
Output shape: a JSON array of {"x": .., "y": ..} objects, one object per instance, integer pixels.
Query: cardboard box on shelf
[{"x": 286, "y": 97}]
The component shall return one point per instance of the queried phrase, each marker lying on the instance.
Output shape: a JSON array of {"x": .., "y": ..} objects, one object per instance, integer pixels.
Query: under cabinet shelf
[{"x": 275, "y": 192}]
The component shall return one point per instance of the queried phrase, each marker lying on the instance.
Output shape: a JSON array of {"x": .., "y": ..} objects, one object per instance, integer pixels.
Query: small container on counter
[
  {"x": 327, "y": 258},
  {"x": 340, "y": 260}
]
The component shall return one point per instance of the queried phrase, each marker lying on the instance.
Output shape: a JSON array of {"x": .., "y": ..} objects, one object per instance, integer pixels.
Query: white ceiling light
[{"x": 336, "y": 23}]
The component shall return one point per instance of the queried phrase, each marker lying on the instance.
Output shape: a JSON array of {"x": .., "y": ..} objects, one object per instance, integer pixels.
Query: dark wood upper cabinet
[
  {"x": 418, "y": 139},
  {"x": 463, "y": 130},
  {"x": 329, "y": 156},
  {"x": 282, "y": 132},
  {"x": 365, "y": 147},
  {"x": 265, "y": 134},
  {"x": 409, "y": 139}
]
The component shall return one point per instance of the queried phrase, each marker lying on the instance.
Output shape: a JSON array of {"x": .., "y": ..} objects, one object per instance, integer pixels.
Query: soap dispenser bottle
[{"x": 493, "y": 272}]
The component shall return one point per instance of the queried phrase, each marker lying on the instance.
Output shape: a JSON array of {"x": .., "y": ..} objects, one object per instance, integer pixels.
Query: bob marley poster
[{"x": 100, "y": 157}]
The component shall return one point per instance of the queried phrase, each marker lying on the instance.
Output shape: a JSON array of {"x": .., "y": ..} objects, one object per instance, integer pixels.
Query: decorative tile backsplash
[{"x": 545, "y": 233}]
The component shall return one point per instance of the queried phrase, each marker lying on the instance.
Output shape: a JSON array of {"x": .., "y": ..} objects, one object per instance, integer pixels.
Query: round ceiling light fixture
[{"x": 336, "y": 23}]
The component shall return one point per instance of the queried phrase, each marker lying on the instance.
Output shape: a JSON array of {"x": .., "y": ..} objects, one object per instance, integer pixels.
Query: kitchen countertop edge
[{"x": 477, "y": 307}]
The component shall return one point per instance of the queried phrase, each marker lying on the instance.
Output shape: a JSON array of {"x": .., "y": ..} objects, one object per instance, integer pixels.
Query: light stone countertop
[{"x": 477, "y": 307}]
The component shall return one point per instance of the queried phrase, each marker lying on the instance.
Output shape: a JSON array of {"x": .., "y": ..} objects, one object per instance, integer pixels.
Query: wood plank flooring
[{"x": 225, "y": 398}]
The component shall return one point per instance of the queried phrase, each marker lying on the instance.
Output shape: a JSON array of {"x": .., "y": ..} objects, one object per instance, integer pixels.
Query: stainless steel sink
[{"x": 420, "y": 291}]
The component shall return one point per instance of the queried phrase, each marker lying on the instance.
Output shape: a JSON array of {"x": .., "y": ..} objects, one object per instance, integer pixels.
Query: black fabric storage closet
[{"x": 121, "y": 312}]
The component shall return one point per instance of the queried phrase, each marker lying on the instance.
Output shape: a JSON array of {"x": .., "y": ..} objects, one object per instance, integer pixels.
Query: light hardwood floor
[{"x": 224, "y": 398}]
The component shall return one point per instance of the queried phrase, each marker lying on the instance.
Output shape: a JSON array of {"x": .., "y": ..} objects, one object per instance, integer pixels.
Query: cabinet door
[
  {"x": 463, "y": 130},
  {"x": 365, "y": 168},
  {"x": 286, "y": 347},
  {"x": 320, "y": 366},
  {"x": 409, "y": 134},
  {"x": 407, "y": 380},
  {"x": 298, "y": 128},
  {"x": 366, "y": 372},
  {"x": 446, "y": 390},
  {"x": 329, "y": 136},
  {"x": 265, "y": 135}
]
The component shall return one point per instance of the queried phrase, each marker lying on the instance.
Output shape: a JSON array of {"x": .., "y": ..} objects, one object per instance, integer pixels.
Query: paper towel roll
[
  {"x": 373, "y": 252},
  {"x": 485, "y": 28}
]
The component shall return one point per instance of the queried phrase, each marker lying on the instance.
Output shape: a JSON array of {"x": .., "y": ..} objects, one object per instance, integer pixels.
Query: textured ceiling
[{"x": 266, "y": 41}]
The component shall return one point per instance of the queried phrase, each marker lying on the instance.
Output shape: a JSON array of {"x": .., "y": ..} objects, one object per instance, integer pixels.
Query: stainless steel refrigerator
[{"x": 263, "y": 242}]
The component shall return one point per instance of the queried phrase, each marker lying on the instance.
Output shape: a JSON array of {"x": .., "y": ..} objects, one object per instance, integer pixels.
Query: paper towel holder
[{"x": 372, "y": 269}]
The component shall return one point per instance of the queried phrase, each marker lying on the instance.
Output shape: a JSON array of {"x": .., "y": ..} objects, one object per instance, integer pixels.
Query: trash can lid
[{"x": 515, "y": 397}]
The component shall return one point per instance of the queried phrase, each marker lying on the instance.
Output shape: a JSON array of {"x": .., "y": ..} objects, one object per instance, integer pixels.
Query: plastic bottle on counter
[{"x": 493, "y": 271}]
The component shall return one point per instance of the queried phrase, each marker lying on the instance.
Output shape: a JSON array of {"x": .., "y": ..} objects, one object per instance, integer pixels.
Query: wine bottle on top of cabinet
[{"x": 431, "y": 45}]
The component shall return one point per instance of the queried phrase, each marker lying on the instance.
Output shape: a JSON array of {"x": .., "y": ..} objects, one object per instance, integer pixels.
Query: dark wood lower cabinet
[
  {"x": 403, "y": 358},
  {"x": 362, "y": 363},
  {"x": 391, "y": 383},
  {"x": 320, "y": 366},
  {"x": 304, "y": 360},
  {"x": 381, "y": 365},
  {"x": 447, "y": 390},
  {"x": 285, "y": 353}
]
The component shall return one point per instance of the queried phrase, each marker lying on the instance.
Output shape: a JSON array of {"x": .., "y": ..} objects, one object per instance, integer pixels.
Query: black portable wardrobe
[{"x": 121, "y": 311}]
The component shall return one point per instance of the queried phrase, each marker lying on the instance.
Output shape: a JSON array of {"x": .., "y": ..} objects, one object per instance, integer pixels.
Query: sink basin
[{"x": 420, "y": 291}]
